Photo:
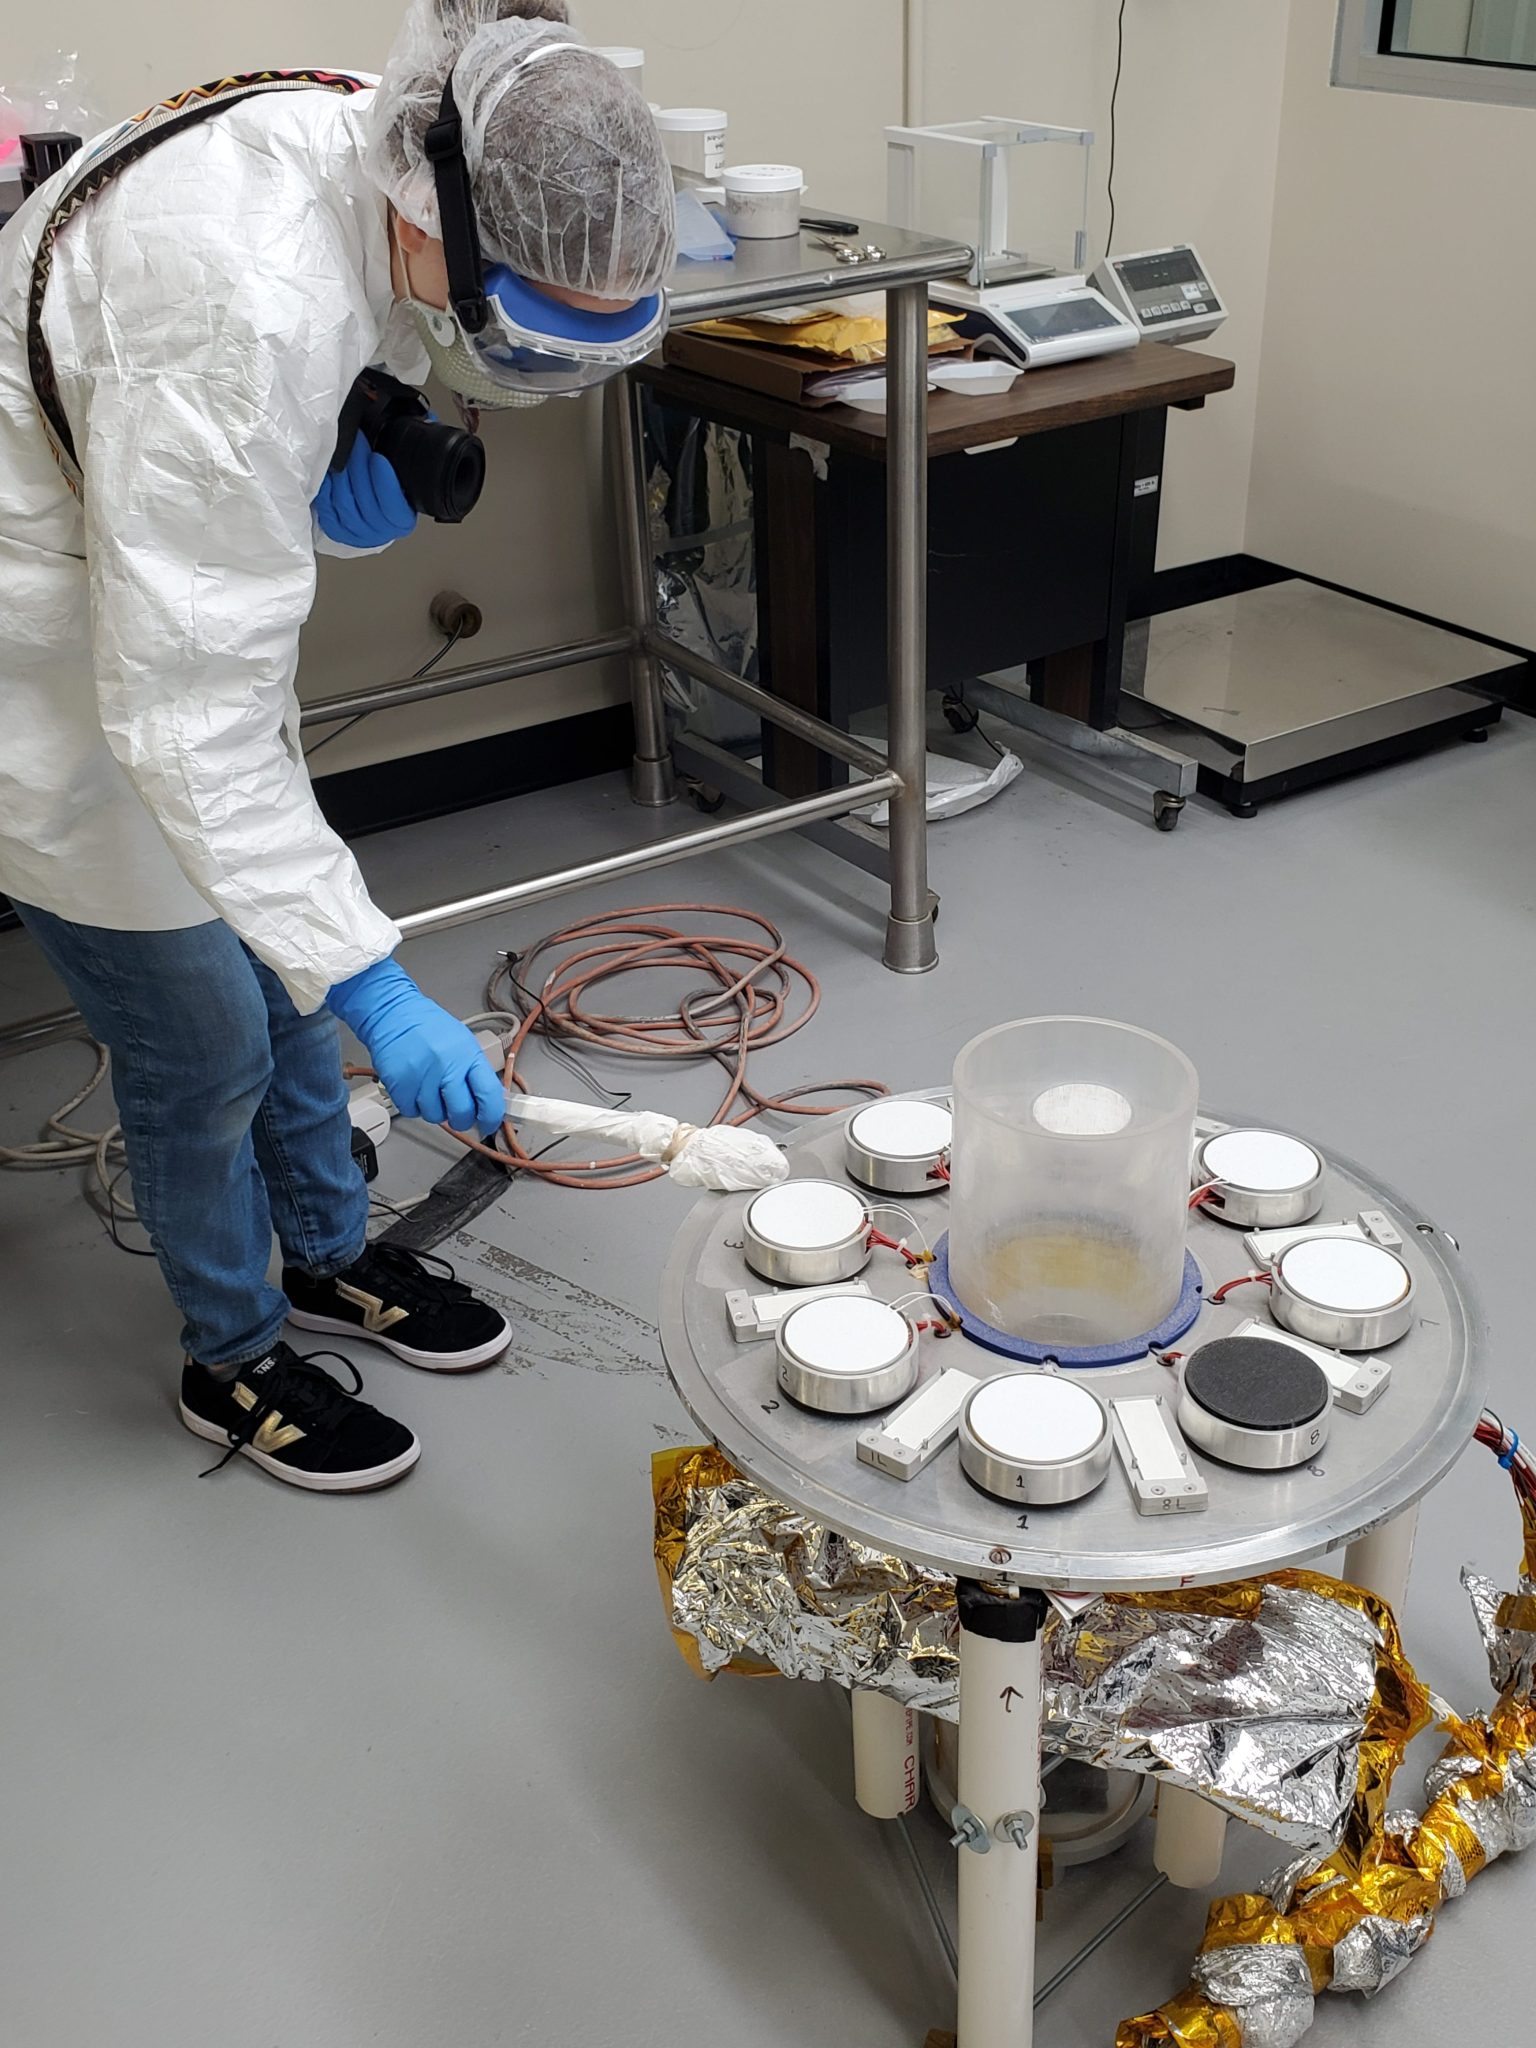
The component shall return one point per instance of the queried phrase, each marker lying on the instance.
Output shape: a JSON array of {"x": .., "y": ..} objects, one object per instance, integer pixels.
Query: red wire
[
  {"x": 883, "y": 1243},
  {"x": 1247, "y": 1280}
]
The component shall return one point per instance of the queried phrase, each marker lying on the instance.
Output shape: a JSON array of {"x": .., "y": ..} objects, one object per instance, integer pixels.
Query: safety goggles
[{"x": 502, "y": 341}]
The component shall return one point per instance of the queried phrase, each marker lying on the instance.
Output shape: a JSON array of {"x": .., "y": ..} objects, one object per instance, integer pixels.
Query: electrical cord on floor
[
  {"x": 755, "y": 994},
  {"x": 450, "y": 641},
  {"x": 65, "y": 1144}
]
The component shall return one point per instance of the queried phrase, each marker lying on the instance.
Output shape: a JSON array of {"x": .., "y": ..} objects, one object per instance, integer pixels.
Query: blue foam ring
[{"x": 1189, "y": 1304}]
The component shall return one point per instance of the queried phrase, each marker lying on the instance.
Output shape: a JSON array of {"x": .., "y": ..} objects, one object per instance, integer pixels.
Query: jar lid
[
  {"x": 763, "y": 178},
  {"x": 899, "y": 1129},
  {"x": 692, "y": 120},
  {"x": 846, "y": 1335},
  {"x": 1259, "y": 1162},
  {"x": 1035, "y": 1418},
  {"x": 1345, "y": 1274},
  {"x": 807, "y": 1215}
]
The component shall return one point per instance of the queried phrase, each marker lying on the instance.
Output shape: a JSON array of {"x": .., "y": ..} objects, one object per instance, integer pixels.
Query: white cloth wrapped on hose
[{"x": 719, "y": 1156}]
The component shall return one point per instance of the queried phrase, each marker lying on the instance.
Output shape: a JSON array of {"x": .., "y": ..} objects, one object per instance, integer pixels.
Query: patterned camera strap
[{"x": 123, "y": 147}]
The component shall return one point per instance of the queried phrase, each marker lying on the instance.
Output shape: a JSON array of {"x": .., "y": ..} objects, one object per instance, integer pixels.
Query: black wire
[
  {"x": 447, "y": 648},
  {"x": 134, "y": 1251},
  {"x": 309, "y": 752},
  {"x": 615, "y": 1098},
  {"x": 1114, "y": 101},
  {"x": 450, "y": 642},
  {"x": 955, "y": 707}
]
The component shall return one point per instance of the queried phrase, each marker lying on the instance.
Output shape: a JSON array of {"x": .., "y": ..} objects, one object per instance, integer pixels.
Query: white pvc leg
[
  {"x": 1382, "y": 1562},
  {"x": 886, "y": 1776},
  {"x": 1191, "y": 1837},
  {"x": 1000, "y": 1709}
]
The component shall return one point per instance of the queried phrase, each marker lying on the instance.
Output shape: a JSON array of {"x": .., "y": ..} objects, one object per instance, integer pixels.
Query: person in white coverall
[{"x": 501, "y": 197}]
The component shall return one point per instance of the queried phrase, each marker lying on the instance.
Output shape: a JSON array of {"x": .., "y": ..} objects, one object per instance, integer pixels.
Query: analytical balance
[
  {"x": 1038, "y": 322},
  {"x": 1190, "y": 1349},
  {"x": 1026, "y": 297}
]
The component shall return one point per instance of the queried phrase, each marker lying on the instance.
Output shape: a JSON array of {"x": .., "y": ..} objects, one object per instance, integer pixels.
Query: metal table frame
[
  {"x": 759, "y": 278},
  {"x": 763, "y": 275}
]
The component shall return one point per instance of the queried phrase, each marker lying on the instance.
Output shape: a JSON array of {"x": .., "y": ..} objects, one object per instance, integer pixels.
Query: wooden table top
[{"x": 1142, "y": 379}]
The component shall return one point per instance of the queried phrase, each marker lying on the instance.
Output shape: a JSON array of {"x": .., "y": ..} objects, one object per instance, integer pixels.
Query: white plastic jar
[
  {"x": 762, "y": 201},
  {"x": 694, "y": 139}
]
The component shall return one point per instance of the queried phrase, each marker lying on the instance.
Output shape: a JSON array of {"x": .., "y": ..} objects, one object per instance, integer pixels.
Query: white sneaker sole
[
  {"x": 313, "y": 1482},
  {"x": 429, "y": 1361}
]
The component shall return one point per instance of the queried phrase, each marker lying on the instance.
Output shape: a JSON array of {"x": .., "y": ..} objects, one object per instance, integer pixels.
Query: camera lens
[{"x": 441, "y": 469}]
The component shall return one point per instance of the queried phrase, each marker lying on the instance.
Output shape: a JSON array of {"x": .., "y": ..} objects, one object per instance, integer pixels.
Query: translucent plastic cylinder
[{"x": 1070, "y": 1199}]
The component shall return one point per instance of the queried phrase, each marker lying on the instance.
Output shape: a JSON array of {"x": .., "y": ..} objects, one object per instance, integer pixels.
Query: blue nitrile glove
[
  {"x": 363, "y": 506},
  {"x": 431, "y": 1064}
]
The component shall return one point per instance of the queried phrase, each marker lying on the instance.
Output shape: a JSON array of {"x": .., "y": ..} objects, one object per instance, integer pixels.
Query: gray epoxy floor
[{"x": 424, "y": 1768}]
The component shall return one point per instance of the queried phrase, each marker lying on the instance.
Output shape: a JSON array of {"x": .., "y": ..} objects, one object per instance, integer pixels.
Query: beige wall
[
  {"x": 1199, "y": 118},
  {"x": 1396, "y": 445}
]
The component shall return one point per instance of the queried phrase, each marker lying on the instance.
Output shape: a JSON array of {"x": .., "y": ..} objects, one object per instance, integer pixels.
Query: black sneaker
[
  {"x": 297, "y": 1423},
  {"x": 401, "y": 1300}
]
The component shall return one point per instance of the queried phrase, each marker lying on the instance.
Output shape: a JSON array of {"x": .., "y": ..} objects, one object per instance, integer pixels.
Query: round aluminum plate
[{"x": 1374, "y": 1465}]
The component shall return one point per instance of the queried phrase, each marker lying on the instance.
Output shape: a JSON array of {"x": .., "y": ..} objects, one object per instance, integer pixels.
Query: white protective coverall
[{"x": 207, "y": 314}]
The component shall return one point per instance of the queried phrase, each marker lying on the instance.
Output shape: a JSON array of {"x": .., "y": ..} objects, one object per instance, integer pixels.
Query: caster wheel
[
  {"x": 1478, "y": 735},
  {"x": 706, "y": 799},
  {"x": 959, "y": 717},
  {"x": 1244, "y": 809},
  {"x": 1167, "y": 809}
]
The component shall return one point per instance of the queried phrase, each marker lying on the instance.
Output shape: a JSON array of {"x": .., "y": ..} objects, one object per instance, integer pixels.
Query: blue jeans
[{"x": 234, "y": 1115}]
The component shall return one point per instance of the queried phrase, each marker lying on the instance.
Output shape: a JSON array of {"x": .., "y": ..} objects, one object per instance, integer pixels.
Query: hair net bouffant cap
[{"x": 572, "y": 186}]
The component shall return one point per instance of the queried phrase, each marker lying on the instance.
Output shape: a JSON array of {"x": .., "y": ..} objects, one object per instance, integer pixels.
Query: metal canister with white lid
[
  {"x": 1036, "y": 1438},
  {"x": 1259, "y": 1180},
  {"x": 807, "y": 1233},
  {"x": 899, "y": 1145},
  {"x": 847, "y": 1355},
  {"x": 1344, "y": 1292}
]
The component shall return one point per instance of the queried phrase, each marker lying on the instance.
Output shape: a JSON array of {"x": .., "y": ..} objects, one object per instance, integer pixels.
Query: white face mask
[
  {"x": 457, "y": 366},
  {"x": 448, "y": 353}
]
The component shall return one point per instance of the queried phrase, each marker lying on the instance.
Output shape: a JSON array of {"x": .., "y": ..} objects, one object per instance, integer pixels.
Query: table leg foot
[
  {"x": 652, "y": 783},
  {"x": 911, "y": 948}
]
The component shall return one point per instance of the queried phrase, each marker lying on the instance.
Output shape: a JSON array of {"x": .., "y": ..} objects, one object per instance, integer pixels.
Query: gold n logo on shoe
[
  {"x": 376, "y": 1317},
  {"x": 274, "y": 1434}
]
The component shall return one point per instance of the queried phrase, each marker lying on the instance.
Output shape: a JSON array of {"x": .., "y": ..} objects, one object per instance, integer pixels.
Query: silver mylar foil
[
  {"x": 1262, "y": 1713},
  {"x": 1261, "y": 1709},
  {"x": 754, "y": 1582},
  {"x": 1511, "y": 1650},
  {"x": 1376, "y": 1950},
  {"x": 1268, "y": 1990}
]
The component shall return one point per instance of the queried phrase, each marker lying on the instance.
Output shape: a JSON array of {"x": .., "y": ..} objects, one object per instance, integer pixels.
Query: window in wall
[{"x": 1452, "y": 49}]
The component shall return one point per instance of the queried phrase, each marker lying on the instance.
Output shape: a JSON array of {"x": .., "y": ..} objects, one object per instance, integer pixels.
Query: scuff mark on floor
[{"x": 557, "y": 1323}]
